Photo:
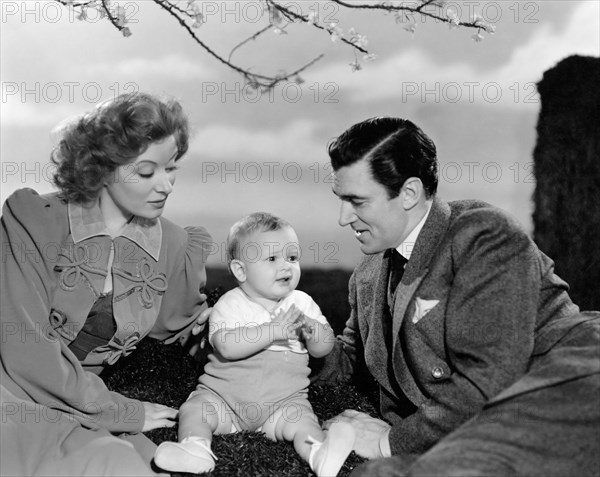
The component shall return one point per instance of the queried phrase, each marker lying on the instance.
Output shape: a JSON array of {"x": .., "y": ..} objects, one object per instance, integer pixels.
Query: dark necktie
[
  {"x": 396, "y": 270},
  {"x": 397, "y": 263}
]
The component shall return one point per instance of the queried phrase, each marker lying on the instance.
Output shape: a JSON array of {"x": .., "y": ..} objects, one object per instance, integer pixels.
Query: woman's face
[{"x": 142, "y": 187}]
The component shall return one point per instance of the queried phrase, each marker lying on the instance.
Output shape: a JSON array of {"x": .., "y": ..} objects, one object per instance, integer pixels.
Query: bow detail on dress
[
  {"x": 120, "y": 348},
  {"x": 76, "y": 267},
  {"x": 145, "y": 282}
]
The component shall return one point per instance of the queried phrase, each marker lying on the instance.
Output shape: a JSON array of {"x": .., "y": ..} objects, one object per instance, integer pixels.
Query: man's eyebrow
[{"x": 347, "y": 196}]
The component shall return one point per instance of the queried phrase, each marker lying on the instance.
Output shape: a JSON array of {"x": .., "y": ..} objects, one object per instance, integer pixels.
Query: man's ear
[
  {"x": 238, "y": 268},
  {"x": 412, "y": 192}
]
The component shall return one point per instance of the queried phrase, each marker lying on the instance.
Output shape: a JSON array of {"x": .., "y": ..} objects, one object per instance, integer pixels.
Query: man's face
[{"x": 378, "y": 222}]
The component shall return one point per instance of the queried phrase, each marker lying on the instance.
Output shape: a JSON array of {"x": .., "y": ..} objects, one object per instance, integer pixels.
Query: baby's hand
[
  {"x": 286, "y": 323},
  {"x": 307, "y": 328}
]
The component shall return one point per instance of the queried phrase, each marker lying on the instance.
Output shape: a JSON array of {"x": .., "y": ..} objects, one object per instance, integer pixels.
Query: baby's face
[{"x": 271, "y": 261}]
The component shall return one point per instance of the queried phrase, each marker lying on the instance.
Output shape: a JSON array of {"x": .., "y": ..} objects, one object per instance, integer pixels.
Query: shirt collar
[
  {"x": 406, "y": 248},
  {"x": 86, "y": 221}
]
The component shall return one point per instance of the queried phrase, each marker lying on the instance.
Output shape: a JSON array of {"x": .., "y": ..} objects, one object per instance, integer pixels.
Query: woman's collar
[{"x": 86, "y": 221}]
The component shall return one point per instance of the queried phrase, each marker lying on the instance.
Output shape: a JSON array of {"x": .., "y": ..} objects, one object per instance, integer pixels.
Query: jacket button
[{"x": 437, "y": 372}]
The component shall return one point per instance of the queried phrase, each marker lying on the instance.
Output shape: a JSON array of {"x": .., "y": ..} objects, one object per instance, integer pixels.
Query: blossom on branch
[
  {"x": 355, "y": 66},
  {"x": 276, "y": 16},
  {"x": 453, "y": 20},
  {"x": 477, "y": 37},
  {"x": 336, "y": 32},
  {"x": 359, "y": 40}
]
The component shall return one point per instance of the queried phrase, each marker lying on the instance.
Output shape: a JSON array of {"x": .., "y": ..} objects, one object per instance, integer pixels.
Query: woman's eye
[
  {"x": 293, "y": 258},
  {"x": 172, "y": 169},
  {"x": 146, "y": 175},
  {"x": 271, "y": 259}
]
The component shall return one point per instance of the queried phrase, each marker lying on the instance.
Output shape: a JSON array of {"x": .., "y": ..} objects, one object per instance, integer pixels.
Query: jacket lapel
[
  {"x": 377, "y": 281},
  {"x": 428, "y": 241},
  {"x": 402, "y": 298},
  {"x": 416, "y": 269}
]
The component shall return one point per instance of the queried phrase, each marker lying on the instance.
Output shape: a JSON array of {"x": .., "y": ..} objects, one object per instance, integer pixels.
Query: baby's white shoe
[
  {"x": 327, "y": 457},
  {"x": 191, "y": 455}
]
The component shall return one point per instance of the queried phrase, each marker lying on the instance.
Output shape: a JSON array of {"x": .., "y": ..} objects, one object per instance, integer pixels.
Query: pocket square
[{"x": 422, "y": 307}]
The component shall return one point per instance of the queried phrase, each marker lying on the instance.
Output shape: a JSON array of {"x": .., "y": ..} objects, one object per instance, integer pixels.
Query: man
[{"x": 484, "y": 364}]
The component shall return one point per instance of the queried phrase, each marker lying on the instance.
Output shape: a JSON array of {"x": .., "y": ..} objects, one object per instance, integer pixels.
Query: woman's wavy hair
[{"x": 115, "y": 133}]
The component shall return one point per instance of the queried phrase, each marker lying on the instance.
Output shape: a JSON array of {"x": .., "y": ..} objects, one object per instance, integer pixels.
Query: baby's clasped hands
[{"x": 287, "y": 323}]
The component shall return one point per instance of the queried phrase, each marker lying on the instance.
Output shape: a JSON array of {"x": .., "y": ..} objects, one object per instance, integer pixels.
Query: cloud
[
  {"x": 78, "y": 89},
  {"x": 33, "y": 114},
  {"x": 414, "y": 77},
  {"x": 546, "y": 48},
  {"x": 294, "y": 142},
  {"x": 170, "y": 67}
]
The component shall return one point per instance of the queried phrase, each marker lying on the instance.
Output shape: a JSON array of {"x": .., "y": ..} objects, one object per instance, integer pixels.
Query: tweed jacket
[
  {"x": 54, "y": 264},
  {"x": 477, "y": 303}
]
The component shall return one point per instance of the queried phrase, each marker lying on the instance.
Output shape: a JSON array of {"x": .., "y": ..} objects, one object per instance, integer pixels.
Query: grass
[{"x": 167, "y": 374}]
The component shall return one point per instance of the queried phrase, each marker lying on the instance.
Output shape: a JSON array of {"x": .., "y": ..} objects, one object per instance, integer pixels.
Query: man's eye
[
  {"x": 271, "y": 259},
  {"x": 293, "y": 258}
]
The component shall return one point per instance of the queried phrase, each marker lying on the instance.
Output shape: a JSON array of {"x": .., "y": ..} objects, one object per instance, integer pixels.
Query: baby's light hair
[{"x": 256, "y": 222}]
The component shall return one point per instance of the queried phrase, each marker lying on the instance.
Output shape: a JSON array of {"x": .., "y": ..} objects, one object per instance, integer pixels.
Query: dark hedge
[{"x": 567, "y": 172}]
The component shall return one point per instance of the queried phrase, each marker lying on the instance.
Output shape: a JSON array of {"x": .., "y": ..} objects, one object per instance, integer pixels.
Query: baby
[{"x": 256, "y": 379}]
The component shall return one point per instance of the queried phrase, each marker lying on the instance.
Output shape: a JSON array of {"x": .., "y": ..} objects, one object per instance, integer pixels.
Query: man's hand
[
  {"x": 369, "y": 432},
  {"x": 157, "y": 416}
]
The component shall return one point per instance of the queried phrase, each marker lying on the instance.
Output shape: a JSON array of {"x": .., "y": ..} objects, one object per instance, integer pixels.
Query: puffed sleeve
[
  {"x": 182, "y": 303},
  {"x": 36, "y": 364}
]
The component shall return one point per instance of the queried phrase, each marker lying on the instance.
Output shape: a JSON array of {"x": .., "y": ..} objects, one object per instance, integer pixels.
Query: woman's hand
[
  {"x": 201, "y": 319},
  {"x": 196, "y": 344},
  {"x": 157, "y": 416}
]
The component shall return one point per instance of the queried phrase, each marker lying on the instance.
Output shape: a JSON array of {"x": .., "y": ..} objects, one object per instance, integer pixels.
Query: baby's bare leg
[
  {"x": 201, "y": 416},
  {"x": 295, "y": 422},
  {"x": 204, "y": 414},
  {"x": 325, "y": 452}
]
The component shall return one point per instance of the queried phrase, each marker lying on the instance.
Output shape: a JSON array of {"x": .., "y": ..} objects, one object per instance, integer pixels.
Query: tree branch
[
  {"x": 404, "y": 8},
  {"x": 250, "y": 38},
  {"x": 255, "y": 80},
  {"x": 305, "y": 19},
  {"x": 190, "y": 17}
]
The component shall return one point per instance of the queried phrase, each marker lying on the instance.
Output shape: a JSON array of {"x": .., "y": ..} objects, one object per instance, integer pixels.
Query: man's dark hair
[{"x": 395, "y": 148}]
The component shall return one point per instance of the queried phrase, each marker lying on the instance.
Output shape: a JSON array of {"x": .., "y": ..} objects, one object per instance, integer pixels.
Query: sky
[{"x": 268, "y": 151}]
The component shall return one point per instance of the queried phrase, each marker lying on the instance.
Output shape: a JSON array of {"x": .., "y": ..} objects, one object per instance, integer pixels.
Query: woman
[{"x": 86, "y": 273}]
